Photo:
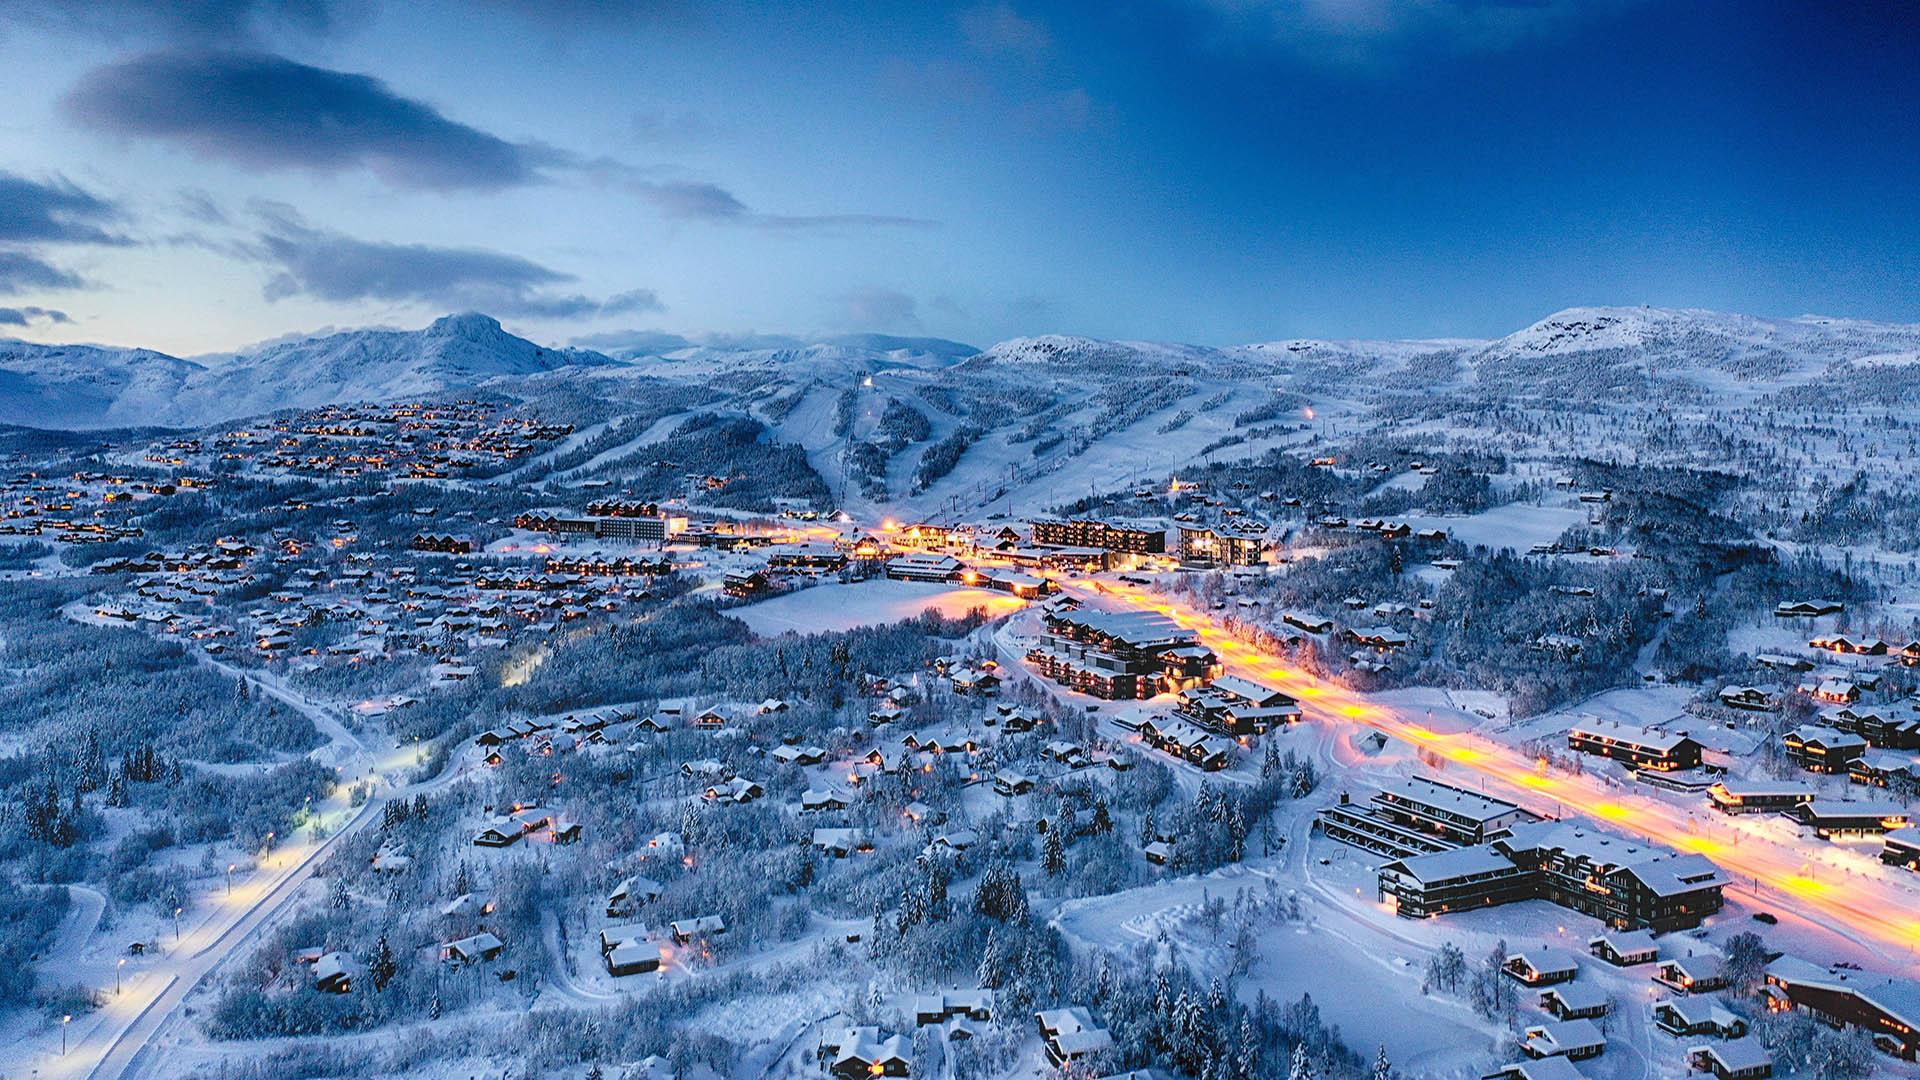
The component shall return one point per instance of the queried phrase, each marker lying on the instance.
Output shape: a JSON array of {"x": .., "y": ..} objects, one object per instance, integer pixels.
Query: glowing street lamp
[
  {"x": 176, "y": 925},
  {"x": 64, "y": 1021},
  {"x": 116, "y": 975},
  {"x": 230, "y": 879}
]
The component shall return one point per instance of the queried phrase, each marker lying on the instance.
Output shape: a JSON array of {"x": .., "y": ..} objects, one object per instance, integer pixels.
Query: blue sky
[{"x": 197, "y": 175}]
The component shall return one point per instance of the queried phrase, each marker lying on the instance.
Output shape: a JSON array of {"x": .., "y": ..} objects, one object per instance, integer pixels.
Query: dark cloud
[
  {"x": 342, "y": 269},
  {"x": 699, "y": 200},
  {"x": 53, "y": 212},
  {"x": 879, "y": 309},
  {"x": 21, "y": 272},
  {"x": 21, "y": 316},
  {"x": 264, "y": 111}
]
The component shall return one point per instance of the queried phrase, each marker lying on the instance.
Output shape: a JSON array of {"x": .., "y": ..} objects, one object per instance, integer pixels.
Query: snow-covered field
[{"x": 867, "y": 603}]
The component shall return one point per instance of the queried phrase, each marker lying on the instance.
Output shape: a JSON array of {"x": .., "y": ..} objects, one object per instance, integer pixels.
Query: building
[
  {"x": 1071, "y": 1034},
  {"x": 1204, "y": 545},
  {"x": 1684, "y": 1016},
  {"x": 1094, "y": 533},
  {"x": 1625, "y": 883},
  {"x": 1574, "y": 1040},
  {"x": 1822, "y": 749},
  {"x": 1731, "y": 796},
  {"x": 1830, "y": 818},
  {"x": 857, "y": 1053},
  {"x": 1902, "y": 848},
  {"x": 1541, "y": 966},
  {"x": 1700, "y": 974},
  {"x": 1642, "y": 748},
  {"x": 921, "y": 566},
  {"x": 472, "y": 950},
  {"x": 1121, "y": 655},
  {"x": 631, "y": 528},
  {"x": 1885, "y": 729},
  {"x": 1421, "y": 815},
  {"x": 1188, "y": 742},
  {"x": 1552, "y": 1068},
  {"x": 1749, "y": 698},
  {"x": 1740, "y": 1059},
  {"x": 1576, "y": 1001},
  {"x": 1624, "y": 948},
  {"x": 1886, "y": 1007}
]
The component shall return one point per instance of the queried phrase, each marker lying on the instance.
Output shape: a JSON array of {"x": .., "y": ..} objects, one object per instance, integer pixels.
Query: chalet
[
  {"x": 1159, "y": 852},
  {"x": 1750, "y": 698},
  {"x": 1642, "y": 748},
  {"x": 711, "y": 720},
  {"x": 1009, "y": 783},
  {"x": 737, "y": 790},
  {"x": 1180, "y": 739},
  {"x": 630, "y": 894},
  {"x": 472, "y": 950},
  {"x": 1541, "y": 966},
  {"x": 1806, "y": 609},
  {"x": 664, "y": 845},
  {"x": 1780, "y": 662},
  {"x": 939, "y": 1008},
  {"x": 334, "y": 973},
  {"x": 1883, "y": 728},
  {"x": 1841, "y": 643},
  {"x": 1576, "y": 1001},
  {"x": 1831, "y": 818},
  {"x": 1738, "y": 1059},
  {"x": 499, "y": 834},
  {"x": 1886, "y": 1007},
  {"x": 1551, "y": 1068},
  {"x": 840, "y": 843},
  {"x": 1910, "y": 654},
  {"x": 815, "y": 800},
  {"x": 1693, "y": 974},
  {"x": 954, "y": 841},
  {"x": 1836, "y": 691},
  {"x": 743, "y": 585},
  {"x": 858, "y": 1053},
  {"x": 1624, "y": 948},
  {"x": 1735, "y": 796},
  {"x": 798, "y": 755},
  {"x": 1902, "y": 848},
  {"x": 633, "y": 957},
  {"x": 1312, "y": 624},
  {"x": 1575, "y": 1040},
  {"x": 1885, "y": 768},
  {"x": 466, "y": 906},
  {"x": 1683, "y": 1016},
  {"x": 1377, "y": 637},
  {"x": 686, "y": 930},
  {"x": 1071, "y": 1034},
  {"x": 1822, "y": 749},
  {"x": 973, "y": 681},
  {"x": 916, "y": 566}
]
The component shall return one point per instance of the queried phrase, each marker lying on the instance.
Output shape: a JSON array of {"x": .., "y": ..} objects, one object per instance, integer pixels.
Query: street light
[
  {"x": 116, "y": 975},
  {"x": 176, "y": 925},
  {"x": 230, "y": 879},
  {"x": 64, "y": 1021}
]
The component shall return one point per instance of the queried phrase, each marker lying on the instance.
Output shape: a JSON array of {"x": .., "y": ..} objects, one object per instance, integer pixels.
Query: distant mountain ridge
[{"x": 1580, "y": 354}]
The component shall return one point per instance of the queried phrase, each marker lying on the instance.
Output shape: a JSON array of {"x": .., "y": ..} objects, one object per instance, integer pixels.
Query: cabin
[
  {"x": 1700, "y": 974},
  {"x": 941, "y": 1007},
  {"x": 859, "y": 1053},
  {"x": 1886, "y": 1007},
  {"x": 1541, "y": 966},
  {"x": 1575, "y": 1001},
  {"x": 1806, "y": 609},
  {"x": 686, "y": 930},
  {"x": 1684, "y": 1016},
  {"x": 1575, "y": 1040},
  {"x": 1822, "y": 749},
  {"x": 632, "y": 957},
  {"x": 817, "y": 800},
  {"x": 630, "y": 894},
  {"x": 1552, "y": 1068},
  {"x": 1836, "y": 818},
  {"x": 1739, "y": 1059},
  {"x": 497, "y": 835},
  {"x": 1009, "y": 783},
  {"x": 1902, "y": 848},
  {"x": 472, "y": 950},
  {"x": 840, "y": 843},
  {"x": 1641, "y": 748},
  {"x": 1734, "y": 796},
  {"x": 1070, "y": 1034},
  {"x": 334, "y": 973},
  {"x": 1624, "y": 948},
  {"x": 1749, "y": 698}
]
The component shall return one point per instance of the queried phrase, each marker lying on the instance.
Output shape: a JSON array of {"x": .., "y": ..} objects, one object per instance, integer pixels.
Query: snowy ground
[{"x": 866, "y": 603}]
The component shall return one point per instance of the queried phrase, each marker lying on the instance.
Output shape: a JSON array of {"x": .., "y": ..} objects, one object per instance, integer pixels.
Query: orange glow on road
[{"x": 1867, "y": 904}]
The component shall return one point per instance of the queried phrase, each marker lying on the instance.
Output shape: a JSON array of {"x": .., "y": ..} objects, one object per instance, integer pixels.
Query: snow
[
  {"x": 1517, "y": 526},
  {"x": 866, "y": 603}
]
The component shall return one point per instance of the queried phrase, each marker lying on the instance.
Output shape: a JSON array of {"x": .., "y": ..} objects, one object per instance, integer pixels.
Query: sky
[{"x": 197, "y": 175}]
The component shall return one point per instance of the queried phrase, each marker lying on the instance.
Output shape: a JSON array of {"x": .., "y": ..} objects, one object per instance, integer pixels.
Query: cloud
[
  {"x": 664, "y": 128},
  {"x": 54, "y": 212},
  {"x": 701, "y": 200},
  {"x": 342, "y": 269},
  {"x": 1372, "y": 33},
  {"x": 188, "y": 20},
  {"x": 21, "y": 271},
  {"x": 879, "y": 309},
  {"x": 262, "y": 111},
  {"x": 998, "y": 29},
  {"x": 21, "y": 316}
]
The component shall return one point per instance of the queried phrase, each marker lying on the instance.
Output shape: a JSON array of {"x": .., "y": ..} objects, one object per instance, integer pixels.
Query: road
[{"x": 1870, "y": 906}]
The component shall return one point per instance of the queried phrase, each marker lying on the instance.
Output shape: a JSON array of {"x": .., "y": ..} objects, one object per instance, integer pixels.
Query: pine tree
[
  {"x": 1382, "y": 1068},
  {"x": 1054, "y": 857},
  {"x": 1302, "y": 1066},
  {"x": 382, "y": 968}
]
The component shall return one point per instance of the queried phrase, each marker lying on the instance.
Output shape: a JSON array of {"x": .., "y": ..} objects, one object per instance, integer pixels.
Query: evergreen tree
[
  {"x": 1302, "y": 1066},
  {"x": 1054, "y": 856},
  {"x": 382, "y": 967},
  {"x": 1382, "y": 1068}
]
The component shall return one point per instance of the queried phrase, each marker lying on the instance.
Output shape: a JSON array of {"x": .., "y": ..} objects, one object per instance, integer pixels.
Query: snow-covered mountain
[
  {"x": 1579, "y": 355},
  {"x": 85, "y": 386}
]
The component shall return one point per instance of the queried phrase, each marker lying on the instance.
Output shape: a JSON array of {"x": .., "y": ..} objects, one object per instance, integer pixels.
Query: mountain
[
  {"x": 86, "y": 386},
  {"x": 1084, "y": 390}
]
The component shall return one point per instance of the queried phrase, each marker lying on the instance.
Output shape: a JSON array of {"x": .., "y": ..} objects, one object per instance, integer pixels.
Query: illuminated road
[{"x": 1867, "y": 906}]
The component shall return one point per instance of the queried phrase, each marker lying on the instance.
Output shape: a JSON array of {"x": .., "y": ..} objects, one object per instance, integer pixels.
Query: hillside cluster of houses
[
  {"x": 413, "y": 440},
  {"x": 84, "y": 508}
]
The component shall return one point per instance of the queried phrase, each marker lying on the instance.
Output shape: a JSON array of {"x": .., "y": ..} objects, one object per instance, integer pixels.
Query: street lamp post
[
  {"x": 116, "y": 975},
  {"x": 176, "y": 925},
  {"x": 230, "y": 879},
  {"x": 64, "y": 1021}
]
